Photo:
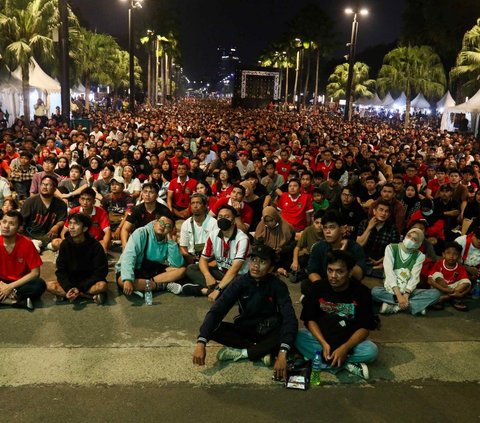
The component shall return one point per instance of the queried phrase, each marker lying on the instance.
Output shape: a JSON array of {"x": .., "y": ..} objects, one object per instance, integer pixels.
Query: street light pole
[
  {"x": 351, "y": 63},
  {"x": 133, "y": 4},
  {"x": 64, "y": 70}
]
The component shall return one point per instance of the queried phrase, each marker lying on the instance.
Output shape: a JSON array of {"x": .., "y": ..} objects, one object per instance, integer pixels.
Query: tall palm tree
[
  {"x": 279, "y": 56},
  {"x": 362, "y": 85},
  {"x": 25, "y": 32},
  {"x": 95, "y": 61},
  {"x": 412, "y": 69},
  {"x": 467, "y": 69}
]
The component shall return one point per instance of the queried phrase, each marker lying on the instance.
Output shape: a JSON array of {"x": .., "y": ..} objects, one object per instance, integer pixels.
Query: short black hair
[
  {"x": 339, "y": 255},
  {"x": 455, "y": 245},
  {"x": 82, "y": 218},
  {"x": 151, "y": 186},
  {"x": 228, "y": 207},
  {"x": 17, "y": 214},
  {"x": 52, "y": 178},
  {"x": 332, "y": 216},
  {"x": 89, "y": 192}
]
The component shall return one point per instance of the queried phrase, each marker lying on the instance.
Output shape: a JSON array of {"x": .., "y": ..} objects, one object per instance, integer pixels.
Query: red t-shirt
[
  {"x": 100, "y": 222},
  {"x": 325, "y": 168},
  {"x": 283, "y": 168},
  {"x": 433, "y": 185},
  {"x": 224, "y": 192},
  {"x": 175, "y": 162},
  {"x": 246, "y": 214},
  {"x": 21, "y": 261},
  {"x": 182, "y": 192},
  {"x": 295, "y": 211},
  {"x": 415, "y": 180},
  {"x": 450, "y": 276}
]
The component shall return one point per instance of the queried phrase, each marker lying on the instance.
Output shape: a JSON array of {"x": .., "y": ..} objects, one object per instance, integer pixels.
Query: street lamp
[
  {"x": 133, "y": 4},
  {"x": 296, "y": 95},
  {"x": 351, "y": 59},
  {"x": 64, "y": 59}
]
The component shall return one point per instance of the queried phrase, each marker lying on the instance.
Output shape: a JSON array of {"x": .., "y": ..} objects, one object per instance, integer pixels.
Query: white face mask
[
  {"x": 410, "y": 244},
  {"x": 427, "y": 213}
]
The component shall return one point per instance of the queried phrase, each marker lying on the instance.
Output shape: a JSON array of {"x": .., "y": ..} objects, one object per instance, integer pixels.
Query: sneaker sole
[{"x": 176, "y": 288}]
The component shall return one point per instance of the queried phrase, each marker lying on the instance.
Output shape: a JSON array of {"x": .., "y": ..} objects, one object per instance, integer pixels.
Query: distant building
[{"x": 228, "y": 61}]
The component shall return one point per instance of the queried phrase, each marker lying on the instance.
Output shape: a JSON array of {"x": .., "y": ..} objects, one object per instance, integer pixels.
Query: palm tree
[
  {"x": 412, "y": 69},
  {"x": 119, "y": 78},
  {"x": 362, "y": 85},
  {"x": 96, "y": 60},
  {"x": 467, "y": 67},
  {"x": 25, "y": 28},
  {"x": 279, "y": 56}
]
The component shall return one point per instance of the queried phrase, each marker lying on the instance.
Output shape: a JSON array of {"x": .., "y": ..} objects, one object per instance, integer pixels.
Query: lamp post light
[
  {"x": 351, "y": 60},
  {"x": 64, "y": 59},
  {"x": 133, "y": 4}
]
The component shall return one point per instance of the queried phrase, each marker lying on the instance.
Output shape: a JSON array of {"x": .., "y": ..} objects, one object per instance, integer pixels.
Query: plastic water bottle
[
  {"x": 315, "y": 379},
  {"x": 148, "y": 293},
  {"x": 476, "y": 290}
]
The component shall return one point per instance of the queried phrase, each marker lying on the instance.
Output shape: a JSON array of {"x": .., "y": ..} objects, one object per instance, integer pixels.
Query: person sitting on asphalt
[
  {"x": 332, "y": 224},
  {"x": 20, "y": 282},
  {"x": 82, "y": 265},
  {"x": 69, "y": 189},
  {"x": 44, "y": 215},
  {"x": 228, "y": 247},
  {"x": 147, "y": 211},
  {"x": 296, "y": 208},
  {"x": 338, "y": 316},
  {"x": 196, "y": 229},
  {"x": 266, "y": 325},
  {"x": 470, "y": 256},
  {"x": 450, "y": 278},
  {"x": 48, "y": 170},
  {"x": 397, "y": 210},
  {"x": 244, "y": 213},
  {"x": 179, "y": 192},
  {"x": 402, "y": 266},
  {"x": 100, "y": 226},
  {"x": 151, "y": 254},
  {"x": 375, "y": 235}
]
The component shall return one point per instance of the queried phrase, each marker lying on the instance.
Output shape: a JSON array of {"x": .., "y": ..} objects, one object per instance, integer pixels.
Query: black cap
[{"x": 263, "y": 251}]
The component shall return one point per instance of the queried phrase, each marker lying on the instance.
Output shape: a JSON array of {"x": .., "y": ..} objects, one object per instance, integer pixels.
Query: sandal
[
  {"x": 459, "y": 305},
  {"x": 99, "y": 299},
  {"x": 437, "y": 306}
]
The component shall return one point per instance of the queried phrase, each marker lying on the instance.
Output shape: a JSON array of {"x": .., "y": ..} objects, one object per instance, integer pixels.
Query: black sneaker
[{"x": 192, "y": 290}]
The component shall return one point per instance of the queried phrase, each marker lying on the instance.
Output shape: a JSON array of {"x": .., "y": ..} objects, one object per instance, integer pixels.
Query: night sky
[{"x": 249, "y": 25}]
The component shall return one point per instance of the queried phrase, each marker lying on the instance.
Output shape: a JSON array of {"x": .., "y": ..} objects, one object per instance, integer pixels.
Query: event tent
[
  {"x": 400, "y": 102},
  {"x": 387, "y": 101},
  {"x": 420, "y": 102},
  {"x": 446, "y": 101},
  {"x": 471, "y": 110}
]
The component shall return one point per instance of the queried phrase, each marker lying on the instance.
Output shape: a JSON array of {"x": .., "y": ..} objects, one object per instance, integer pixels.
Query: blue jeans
[
  {"x": 307, "y": 344},
  {"x": 419, "y": 299}
]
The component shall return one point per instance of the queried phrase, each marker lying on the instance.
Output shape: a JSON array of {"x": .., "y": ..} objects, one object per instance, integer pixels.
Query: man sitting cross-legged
[
  {"x": 266, "y": 324},
  {"x": 82, "y": 265},
  {"x": 338, "y": 316},
  {"x": 20, "y": 263},
  {"x": 151, "y": 255}
]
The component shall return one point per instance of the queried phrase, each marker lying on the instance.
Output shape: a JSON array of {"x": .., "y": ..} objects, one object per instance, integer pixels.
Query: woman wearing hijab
[
  {"x": 402, "y": 266},
  {"x": 277, "y": 234},
  {"x": 410, "y": 201}
]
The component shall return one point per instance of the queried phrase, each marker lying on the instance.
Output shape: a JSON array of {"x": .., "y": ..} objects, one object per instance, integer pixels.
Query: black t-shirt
[
  {"x": 140, "y": 216},
  {"x": 38, "y": 219},
  {"x": 338, "y": 314}
]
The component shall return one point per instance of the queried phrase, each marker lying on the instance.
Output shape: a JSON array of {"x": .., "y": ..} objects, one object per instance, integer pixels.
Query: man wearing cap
[{"x": 266, "y": 325}]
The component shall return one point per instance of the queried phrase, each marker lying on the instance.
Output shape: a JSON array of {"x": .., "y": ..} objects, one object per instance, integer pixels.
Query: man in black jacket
[
  {"x": 266, "y": 323},
  {"x": 82, "y": 265}
]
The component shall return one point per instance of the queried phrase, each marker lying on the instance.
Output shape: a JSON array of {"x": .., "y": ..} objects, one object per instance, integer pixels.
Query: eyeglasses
[{"x": 165, "y": 225}]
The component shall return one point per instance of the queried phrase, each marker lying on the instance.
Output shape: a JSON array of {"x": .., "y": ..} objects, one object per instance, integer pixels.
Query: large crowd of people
[{"x": 230, "y": 204}]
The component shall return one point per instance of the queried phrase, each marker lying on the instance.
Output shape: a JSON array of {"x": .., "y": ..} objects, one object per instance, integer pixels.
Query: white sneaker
[
  {"x": 38, "y": 245},
  {"x": 424, "y": 312},
  {"x": 139, "y": 293},
  {"x": 358, "y": 369},
  {"x": 389, "y": 308},
  {"x": 174, "y": 288}
]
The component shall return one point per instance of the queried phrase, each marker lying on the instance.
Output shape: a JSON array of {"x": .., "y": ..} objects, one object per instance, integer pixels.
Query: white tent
[
  {"x": 471, "y": 110},
  {"x": 77, "y": 89},
  {"x": 420, "y": 102},
  {"x": 387, "y": 101},
  {"x": 400, "y": 102},
  {"x": 9, "y": 98},
  {"x": 375, "y": 101},
  {"x": 446, "y": 101},
  {"x": 38, "y": 78},
  {"x": 41, "y": 86}
]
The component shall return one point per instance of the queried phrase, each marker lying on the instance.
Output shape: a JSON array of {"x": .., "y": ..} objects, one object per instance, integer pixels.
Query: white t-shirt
[
  {"x": 188, "y": 238},
  {"x": 4, "y": 190},
  {"x": 473, "y": 257}
]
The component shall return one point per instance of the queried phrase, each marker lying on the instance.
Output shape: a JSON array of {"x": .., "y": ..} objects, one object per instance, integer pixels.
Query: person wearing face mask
[
  {"x": 229, "y": 248},
  {"x": 275, "y": 232},
  {"x": 436, "y": 223},
  {"x": 402, "y": 266}
]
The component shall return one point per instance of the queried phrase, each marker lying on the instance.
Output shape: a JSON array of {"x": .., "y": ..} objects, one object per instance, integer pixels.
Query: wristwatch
[{"x": 217, "y": 288}]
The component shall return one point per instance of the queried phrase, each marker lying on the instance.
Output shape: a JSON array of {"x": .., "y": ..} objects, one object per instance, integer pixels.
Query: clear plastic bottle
[
  {"x": 148, "y": 292},
  {"x": 476, "y": 290},
  {"x": 315, "y": 378}
]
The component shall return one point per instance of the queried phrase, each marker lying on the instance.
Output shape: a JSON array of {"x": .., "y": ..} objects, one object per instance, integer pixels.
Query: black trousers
[{"x": 257, "y": 346}]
